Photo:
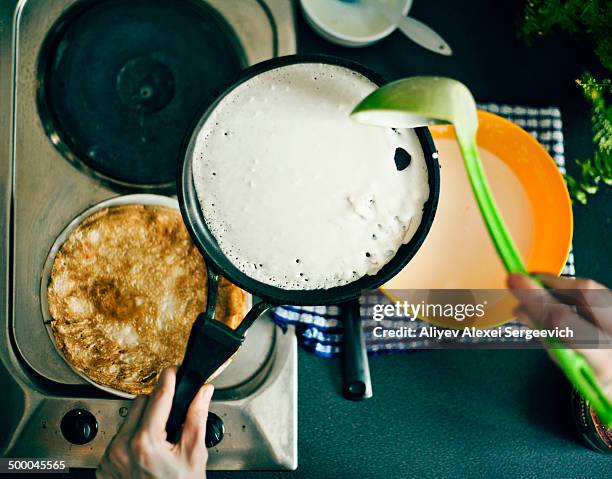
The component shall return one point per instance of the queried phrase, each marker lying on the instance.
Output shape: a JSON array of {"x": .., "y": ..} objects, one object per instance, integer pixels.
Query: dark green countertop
[{"x": 439, "y": 414}]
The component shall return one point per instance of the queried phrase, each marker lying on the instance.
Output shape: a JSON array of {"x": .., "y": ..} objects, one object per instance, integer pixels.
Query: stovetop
[
  {"x": 121, "y": 82},
  {"x": 98, "y": 107}
]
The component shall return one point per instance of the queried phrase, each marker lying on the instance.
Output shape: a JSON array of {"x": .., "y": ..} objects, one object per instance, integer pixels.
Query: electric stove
[{"x": 95, "y": 99}]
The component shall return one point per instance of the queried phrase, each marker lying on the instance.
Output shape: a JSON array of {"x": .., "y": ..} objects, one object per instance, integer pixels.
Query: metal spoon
[{"x": 417, "y": 31}]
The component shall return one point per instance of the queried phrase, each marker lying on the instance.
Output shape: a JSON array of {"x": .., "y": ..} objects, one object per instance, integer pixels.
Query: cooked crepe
[{"x": 125, "y": 289}]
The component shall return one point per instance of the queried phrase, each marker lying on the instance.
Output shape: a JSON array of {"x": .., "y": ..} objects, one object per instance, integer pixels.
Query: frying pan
[{"x": 212, "y": 343}]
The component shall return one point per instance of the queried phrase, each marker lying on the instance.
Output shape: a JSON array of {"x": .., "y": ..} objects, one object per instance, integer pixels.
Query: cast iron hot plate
[{"x": 122, "y": 79}]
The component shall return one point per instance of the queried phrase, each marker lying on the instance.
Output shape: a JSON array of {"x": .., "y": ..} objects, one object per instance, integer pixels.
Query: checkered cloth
[{"x": 319, "y": 328}]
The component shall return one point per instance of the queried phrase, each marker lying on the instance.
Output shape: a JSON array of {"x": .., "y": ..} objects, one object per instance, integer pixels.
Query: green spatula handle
[
  {"x": 579, "y": 372},
  {"x": 574, "y": 365}
]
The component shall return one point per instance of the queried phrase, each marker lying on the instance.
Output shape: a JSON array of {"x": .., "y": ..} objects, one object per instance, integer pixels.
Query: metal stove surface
[{"x": 256, "y": 396}]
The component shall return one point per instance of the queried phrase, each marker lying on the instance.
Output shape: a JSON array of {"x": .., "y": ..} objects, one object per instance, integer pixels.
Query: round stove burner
[
  {"x": 145, "y": 84},
  {"x": 123, "y": 79}
]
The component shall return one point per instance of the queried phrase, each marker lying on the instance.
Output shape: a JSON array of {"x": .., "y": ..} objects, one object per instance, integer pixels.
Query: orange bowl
[{"x": 458, "y": 252}]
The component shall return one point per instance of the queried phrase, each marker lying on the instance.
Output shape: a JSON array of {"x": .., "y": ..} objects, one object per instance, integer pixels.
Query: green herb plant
[
  {"x": 598, "y": 169},
  {"x": 594, "y": 19}
]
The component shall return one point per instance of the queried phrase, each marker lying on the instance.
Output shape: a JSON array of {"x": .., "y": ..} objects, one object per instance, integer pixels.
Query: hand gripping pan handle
[{"x": 211, "y": 344}]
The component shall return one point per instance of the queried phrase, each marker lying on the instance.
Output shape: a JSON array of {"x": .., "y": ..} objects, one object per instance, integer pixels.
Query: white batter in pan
[{"x": 297, "y": 194}]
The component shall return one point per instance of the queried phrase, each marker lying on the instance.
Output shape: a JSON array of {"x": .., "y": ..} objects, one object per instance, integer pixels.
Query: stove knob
[
  {"x": 214, "y": 430},
  {"x": 79, "y": 426}
]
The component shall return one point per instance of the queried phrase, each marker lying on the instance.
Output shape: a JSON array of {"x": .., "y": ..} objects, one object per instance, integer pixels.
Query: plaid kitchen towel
[{"x": 318, "y": 327}]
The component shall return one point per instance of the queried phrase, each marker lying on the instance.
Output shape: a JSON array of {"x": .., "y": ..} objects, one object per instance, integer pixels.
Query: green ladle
[{"x": 421, "y": 101}]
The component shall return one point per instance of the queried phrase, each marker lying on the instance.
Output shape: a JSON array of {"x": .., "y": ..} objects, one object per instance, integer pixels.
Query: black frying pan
[{"x": 211, "y": 343}]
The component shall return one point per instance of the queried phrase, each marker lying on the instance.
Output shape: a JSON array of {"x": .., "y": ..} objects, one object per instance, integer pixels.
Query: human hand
[
  {"x": 140, "y": 450},
  {"x": 581, "y": 304}
]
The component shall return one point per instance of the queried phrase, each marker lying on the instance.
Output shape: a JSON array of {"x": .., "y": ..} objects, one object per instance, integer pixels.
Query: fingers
[
  {"x": 133, "y": 418},
  {"x": 117, "y": 456},
  {"x": 533, "y": 299},
  {"x": 560, "y": 282},
  {"x": 158, "y": 406},
  {"x": 523, "y": 317},
  {"x": 194, "y": 429},
  {"x": 600, "y": 359},
  {"x": 568, "y": 306},
  {"x": 541, "y": 308},
  {"x": 556, "y": 315},
  {"x": 592, "y": 300},
  {"x": 517, "y": 281},
  {"x": 104, "y": 472},
  {"x": 140, "y": 449},
  {"x": 523, "y": 281},
  {"x": 108, "y": 470},
  {"x": 115, "y": 460}
]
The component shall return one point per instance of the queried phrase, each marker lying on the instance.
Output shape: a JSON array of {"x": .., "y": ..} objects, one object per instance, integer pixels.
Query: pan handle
[
  {"x": 356, "y": 382},
  {"x": 256, "y": 311},
  {"x": 219, "y": 343},
  {"x": 189, "y": 377}
]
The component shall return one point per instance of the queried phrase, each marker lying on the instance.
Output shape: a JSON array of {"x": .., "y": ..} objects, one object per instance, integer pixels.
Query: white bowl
[{"x": 350, "y": 24}]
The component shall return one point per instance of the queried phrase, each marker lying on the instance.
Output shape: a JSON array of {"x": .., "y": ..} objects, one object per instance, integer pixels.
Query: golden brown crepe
[{"x": 125, "y": 288}]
